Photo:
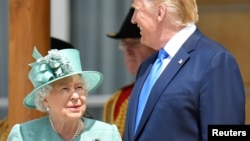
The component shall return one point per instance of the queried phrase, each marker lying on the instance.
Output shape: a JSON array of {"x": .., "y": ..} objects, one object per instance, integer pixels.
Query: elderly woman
[{"x": 60, "y": 89}]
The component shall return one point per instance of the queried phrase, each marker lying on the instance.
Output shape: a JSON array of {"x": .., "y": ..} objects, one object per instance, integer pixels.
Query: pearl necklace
[{"x": 78, "y": 130}]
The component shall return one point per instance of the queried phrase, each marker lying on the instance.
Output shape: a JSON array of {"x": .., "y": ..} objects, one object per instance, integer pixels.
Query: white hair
[{"x": 41, "y": 94}]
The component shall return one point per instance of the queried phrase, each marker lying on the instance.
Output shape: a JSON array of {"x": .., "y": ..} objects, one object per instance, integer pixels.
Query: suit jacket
[
  {"x": 201, "y": 85},
  {"x": 41, "y": 130}
]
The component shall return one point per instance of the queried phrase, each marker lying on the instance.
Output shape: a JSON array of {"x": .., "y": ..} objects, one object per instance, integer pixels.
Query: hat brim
[{"x": 92, "y": 78}]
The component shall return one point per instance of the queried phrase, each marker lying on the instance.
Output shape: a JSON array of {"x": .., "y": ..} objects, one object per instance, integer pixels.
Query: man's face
[
  {"x": 145, "y": 16},
  {"x": 134, "y": 53}
]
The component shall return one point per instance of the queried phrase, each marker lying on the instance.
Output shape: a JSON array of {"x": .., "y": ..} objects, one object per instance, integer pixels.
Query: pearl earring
[{"x": 47, "y": 109}]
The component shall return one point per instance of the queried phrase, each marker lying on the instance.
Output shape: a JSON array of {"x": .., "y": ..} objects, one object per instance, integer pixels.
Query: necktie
[{"x": 148, "y": 84}]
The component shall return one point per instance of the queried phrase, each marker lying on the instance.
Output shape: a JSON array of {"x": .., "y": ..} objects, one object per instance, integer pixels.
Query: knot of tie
[{"x": 162, "y": 54}]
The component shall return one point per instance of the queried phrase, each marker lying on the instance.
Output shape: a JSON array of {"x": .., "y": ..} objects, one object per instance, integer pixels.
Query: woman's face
[{"x": 67, "y": 99}]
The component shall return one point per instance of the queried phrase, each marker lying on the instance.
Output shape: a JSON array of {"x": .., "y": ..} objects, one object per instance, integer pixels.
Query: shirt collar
[{"x": 175, "y": 43}]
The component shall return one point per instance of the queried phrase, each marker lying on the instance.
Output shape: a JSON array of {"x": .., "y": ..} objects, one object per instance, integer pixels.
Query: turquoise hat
[{"x": 56, "y": 65}]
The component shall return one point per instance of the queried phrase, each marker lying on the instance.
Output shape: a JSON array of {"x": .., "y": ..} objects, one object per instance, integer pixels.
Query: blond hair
[{"x": 181, "y": 12}]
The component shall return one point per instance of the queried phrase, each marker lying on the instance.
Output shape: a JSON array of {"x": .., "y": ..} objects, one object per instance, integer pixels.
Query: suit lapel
[
  {"x": 167, "y": 75},
  {"x": 134, "y": 98}
]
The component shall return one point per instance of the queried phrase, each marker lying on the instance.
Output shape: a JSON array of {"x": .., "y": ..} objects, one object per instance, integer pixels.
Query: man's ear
[{"x": 161, "y": 12}]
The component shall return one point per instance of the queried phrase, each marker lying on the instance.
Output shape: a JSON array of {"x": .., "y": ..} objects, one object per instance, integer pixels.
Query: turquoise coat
[{"x": 41, "y": 130}]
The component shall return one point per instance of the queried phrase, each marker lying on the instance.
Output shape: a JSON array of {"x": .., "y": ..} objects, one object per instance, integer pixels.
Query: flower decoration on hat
[{"x": 50, "y": 67}]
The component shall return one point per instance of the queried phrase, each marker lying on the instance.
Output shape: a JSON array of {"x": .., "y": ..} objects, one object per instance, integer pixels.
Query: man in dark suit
[{"x": 199, "y": 83}]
